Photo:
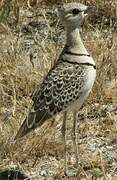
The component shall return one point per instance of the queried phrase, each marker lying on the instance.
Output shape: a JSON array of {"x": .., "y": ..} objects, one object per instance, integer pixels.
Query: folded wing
[{"x": 60, "y": 88}]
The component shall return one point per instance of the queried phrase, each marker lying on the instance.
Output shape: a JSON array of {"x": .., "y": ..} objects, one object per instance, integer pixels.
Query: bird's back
[{"x": 61, "y": 88}]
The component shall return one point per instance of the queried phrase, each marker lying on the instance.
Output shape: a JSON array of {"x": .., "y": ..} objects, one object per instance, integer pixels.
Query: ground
[{"x": 31, "y": 39}]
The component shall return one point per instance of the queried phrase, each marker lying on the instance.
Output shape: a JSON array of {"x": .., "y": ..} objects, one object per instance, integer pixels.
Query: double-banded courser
[{"x": 69, "y": 82}]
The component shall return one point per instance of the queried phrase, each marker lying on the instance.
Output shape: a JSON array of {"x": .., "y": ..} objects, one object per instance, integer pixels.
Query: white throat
[{"x": 74, "y": 42}]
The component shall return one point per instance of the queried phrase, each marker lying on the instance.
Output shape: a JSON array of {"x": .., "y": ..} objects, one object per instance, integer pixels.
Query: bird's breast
[{"x": 86, "y": 88}]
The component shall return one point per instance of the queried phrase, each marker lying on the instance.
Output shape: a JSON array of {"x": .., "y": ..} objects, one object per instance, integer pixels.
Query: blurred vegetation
[{"x": 19, "y": 77}]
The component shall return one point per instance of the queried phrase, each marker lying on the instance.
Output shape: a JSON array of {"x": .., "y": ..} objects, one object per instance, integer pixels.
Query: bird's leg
[
  {"x": 64, "y": 139},
  {"x": 74, "y": 137}
]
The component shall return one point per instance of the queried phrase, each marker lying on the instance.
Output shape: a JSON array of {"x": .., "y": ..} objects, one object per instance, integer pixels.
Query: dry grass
[{"x": 21, "y": 73}]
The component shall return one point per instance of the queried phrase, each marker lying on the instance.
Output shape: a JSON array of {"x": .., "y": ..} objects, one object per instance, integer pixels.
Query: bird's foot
[{"x": 73, "y": 172}]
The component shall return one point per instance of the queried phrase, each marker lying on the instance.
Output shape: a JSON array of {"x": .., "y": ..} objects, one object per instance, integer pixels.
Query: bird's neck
[{"x": 74, "y": 42}]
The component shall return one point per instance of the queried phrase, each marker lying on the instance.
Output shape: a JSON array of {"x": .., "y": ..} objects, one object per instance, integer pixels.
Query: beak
[{"x": 90, "y": 10}]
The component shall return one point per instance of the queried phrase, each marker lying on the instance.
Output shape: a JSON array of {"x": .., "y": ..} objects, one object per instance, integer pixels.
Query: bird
[{"x": 68, "y": 83}]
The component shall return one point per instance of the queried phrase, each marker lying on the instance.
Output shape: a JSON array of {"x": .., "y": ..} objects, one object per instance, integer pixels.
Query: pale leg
[
  {"x": 64, "y": 139},
  {"x": 74, "y": 137}
]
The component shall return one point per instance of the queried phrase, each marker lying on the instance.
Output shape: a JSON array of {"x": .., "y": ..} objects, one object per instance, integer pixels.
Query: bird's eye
[{"x": 75, "y": 11}]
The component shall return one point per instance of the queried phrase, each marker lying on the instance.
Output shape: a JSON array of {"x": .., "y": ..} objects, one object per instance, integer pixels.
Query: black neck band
[
  {"x": 76, "y": 54},
  {"x": 87, "y": 64}
]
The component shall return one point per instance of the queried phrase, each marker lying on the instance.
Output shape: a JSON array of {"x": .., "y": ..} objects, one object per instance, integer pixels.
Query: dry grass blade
[{"x": 31, "y": 39}]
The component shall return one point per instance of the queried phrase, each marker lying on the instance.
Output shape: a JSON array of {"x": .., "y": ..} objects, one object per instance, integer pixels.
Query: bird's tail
[{"x": 30, "y": 123}]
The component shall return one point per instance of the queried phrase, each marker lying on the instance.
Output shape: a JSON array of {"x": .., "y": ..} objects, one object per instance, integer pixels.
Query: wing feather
[{"x": 60, "y": 88}]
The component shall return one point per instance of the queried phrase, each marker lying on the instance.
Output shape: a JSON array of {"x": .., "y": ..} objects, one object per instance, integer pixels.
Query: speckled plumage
[
  {"x": 60, "y": 89},
  {"x": 69, "y": 82}
]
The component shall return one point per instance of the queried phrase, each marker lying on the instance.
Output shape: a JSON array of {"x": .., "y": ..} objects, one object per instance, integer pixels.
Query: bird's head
[{"x": 73, "y": 14}]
